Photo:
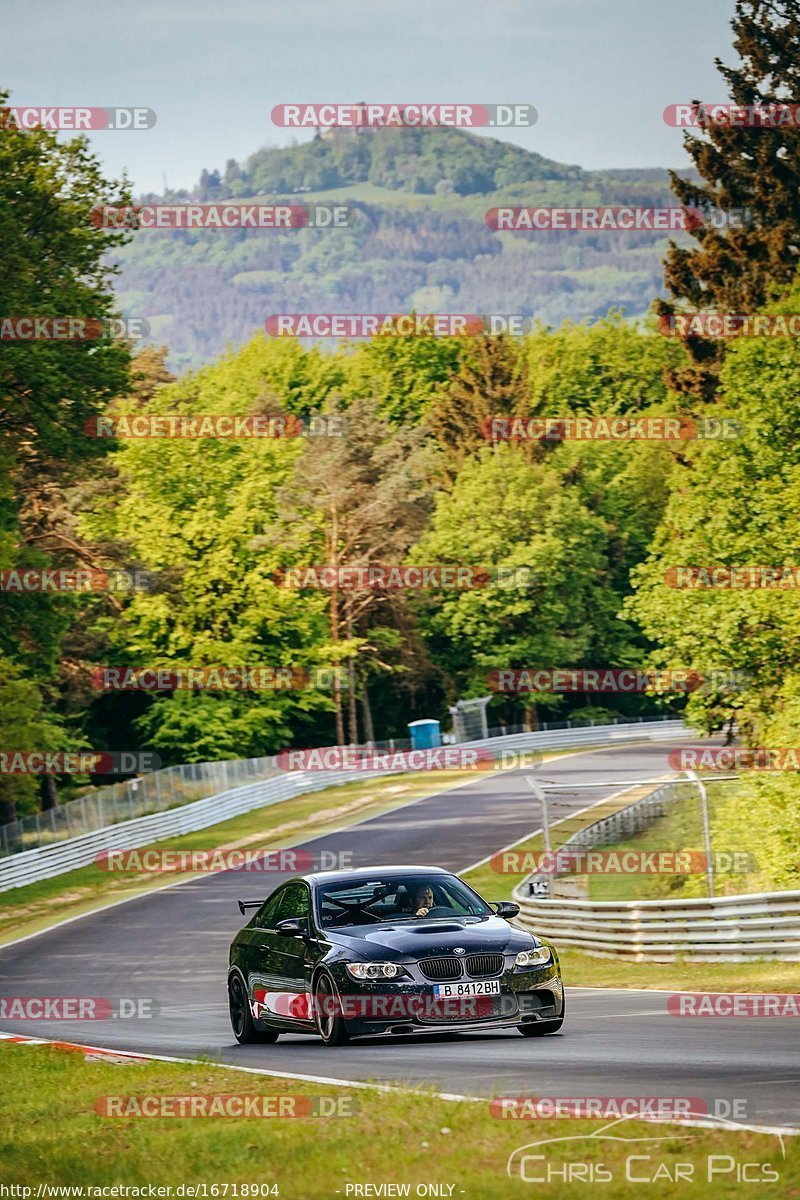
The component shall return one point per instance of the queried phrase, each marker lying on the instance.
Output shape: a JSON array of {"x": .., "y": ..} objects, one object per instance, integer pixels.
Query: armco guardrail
[
  {"x": 43, "y": 862},
  {"x": 725, "y": 929},
  {"x": 168, "y": 788}
]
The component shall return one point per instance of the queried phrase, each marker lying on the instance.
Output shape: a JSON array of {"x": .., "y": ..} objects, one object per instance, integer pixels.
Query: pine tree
[
  {"x": 736, "y": 269},
  {"x": 491, "y": 381}
]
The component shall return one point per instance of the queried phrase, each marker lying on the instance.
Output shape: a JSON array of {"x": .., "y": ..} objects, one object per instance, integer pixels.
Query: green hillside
[{"x": 418, "y": 240}]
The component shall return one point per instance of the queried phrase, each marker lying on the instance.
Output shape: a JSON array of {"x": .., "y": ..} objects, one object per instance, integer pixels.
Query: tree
[
  {"x": 360, "y": 500},
  {"x": 192, "y": 511},
  {"x": 25, "y": 725},
  {"x": 736, "y": 269},
  {"x": 504, "y": 511},
  {"x": 54, "y": 264},
  {"x": 735, "y": 503},
  {"x": 492, "y": 380},
  {"x": 210, "y": 185},
  {"x": 405, "y": 375}
]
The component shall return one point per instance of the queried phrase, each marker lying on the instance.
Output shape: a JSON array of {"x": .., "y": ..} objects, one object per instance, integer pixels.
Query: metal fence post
[
  {"x": 701, "y": 787},
  {"x": 538, "y": 792}
]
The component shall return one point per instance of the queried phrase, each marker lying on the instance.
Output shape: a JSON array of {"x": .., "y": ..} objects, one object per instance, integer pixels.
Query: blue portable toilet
[{"x": 425, "y": 735}]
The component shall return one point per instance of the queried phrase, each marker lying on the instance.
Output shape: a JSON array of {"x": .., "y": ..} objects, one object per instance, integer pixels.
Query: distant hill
[{"x": 419, "y": 240}]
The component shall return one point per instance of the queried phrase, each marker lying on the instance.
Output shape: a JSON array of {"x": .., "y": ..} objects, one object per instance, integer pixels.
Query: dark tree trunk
[
  {"x": 334, "y": 627},
  {"x": 48, "y": 792},
  {"x": 366, "y": 710},
  {"x": 352, "y": 709},
  {"x": 352, "y": 699},
  {"x": 8, "y": 806},
  {"x": 531, "y": 718}
]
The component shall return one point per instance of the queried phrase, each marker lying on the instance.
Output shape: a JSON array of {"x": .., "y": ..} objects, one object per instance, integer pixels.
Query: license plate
[{"x": 491, "y": 987}]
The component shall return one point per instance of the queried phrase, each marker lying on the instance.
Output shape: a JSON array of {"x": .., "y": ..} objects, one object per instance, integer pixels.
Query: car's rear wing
[{"x": 243, "y": 904}]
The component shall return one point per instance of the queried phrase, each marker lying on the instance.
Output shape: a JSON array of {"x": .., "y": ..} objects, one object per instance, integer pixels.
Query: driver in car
[{"x": 422, "y": 902}]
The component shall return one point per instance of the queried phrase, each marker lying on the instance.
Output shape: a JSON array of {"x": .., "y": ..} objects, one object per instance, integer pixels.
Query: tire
[
  {"x": 331, "y": 1026},
  {"x": 542, "y": 1028},
  {"x": 244, "y": 1029}
]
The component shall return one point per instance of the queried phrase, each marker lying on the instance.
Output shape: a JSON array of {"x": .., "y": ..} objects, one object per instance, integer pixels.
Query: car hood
[{"x": 423, "y": 939}]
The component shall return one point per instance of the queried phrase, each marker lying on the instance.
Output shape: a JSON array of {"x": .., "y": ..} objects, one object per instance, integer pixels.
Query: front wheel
[
  {"x": 331, "y": 1025},
  {"x": 244, "y": 1029}
]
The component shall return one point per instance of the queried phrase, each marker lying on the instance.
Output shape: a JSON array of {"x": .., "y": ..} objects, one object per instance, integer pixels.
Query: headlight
[
  {"x": 535, "y": 957},
  {"x": 374, "y": 970}
]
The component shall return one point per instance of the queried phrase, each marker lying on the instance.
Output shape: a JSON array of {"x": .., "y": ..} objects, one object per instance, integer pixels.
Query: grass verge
[
  {"x": 751, "y": 856},
  {"x": 51, "y": 1133},
  {"x": 587, "y": 970}
]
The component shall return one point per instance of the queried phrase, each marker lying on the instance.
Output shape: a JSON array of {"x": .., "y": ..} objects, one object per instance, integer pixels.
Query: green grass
[
  {"x": 587, "y": 970},
  {"x": 681, "y": 829},
  {"x": 763, "y": 975},
  {"x": 487, "y": 879},
  {"x": 50, "y": 1132}
]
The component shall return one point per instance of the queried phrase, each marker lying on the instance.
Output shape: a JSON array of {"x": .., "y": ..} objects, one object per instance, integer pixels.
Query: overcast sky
[{"x": 599, "y": 73}]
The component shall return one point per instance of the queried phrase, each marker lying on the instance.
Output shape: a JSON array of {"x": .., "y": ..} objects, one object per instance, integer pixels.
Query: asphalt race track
[{"x": 172, "y": 945}]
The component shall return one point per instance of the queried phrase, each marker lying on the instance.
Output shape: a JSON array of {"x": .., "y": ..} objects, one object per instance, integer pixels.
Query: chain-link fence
[
  {"x": 155, "y": 792},
  {"x": 175, "y": 786}
]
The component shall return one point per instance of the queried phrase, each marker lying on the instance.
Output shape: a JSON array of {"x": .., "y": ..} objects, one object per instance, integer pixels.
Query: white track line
[{"x": 704, "y": 1123}]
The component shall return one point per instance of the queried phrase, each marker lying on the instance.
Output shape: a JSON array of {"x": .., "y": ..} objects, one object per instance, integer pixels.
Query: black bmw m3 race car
[{"x": 387, "y": 950}]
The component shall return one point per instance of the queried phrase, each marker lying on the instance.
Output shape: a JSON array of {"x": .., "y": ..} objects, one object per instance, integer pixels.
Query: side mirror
[
  {"x": 503, "y": 908},
  {"x": 295, "y": 927}
]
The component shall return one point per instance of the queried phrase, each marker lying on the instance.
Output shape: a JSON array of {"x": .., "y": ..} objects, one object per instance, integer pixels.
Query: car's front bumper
[{"x": 411, "y": 1006}]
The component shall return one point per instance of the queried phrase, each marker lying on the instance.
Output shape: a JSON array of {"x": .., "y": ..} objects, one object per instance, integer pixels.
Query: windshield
[{"x": 390, "y": 898}]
